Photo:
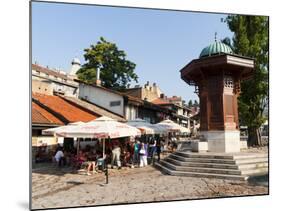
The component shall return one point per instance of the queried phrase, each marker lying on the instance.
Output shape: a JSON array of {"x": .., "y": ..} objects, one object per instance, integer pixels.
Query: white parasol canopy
[
  {"x": 173, "y": 127},
  {"x": 53, "y": 131},
  {"x": 146, "y": 127},
  {"x": 103, "y": 127}
]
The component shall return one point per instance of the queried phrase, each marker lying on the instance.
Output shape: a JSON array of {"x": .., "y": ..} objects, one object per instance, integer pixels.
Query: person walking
[
  {"x": 143, "y": 154},
  {"x": 152, "y": 149},
  {"x": 158, "y": 148},
  {"x": 136, "y": 153},
  {"x": 116, "y": 152}
]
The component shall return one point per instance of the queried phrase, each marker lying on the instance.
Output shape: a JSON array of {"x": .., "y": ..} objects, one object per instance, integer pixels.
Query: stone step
[
  {"x": 196, "y": 174},
  {"x": 196, "y": 164},
  {"x": 219, "y": 156},
  {"x": 256, "y": 171},
  {"x": 253, "y": 165},
  {"x": 249, "y": 156},
  {"x": 201, "y": 170},
  {"x": 218, "y": 165},
  {"x": 197, "y": 155},
  {"x": 251, "y": 160},
  {"x": 222, "y": 161},
  {"x": 201, "y": 160}
]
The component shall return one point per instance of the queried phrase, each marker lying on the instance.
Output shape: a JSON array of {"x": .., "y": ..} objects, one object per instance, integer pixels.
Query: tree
[
  {"x": 196, "y": 103},
  {"x": 190, "y": 104},
  {"x": 115, "y": 70},
  {"x": 251, "y": 39}
]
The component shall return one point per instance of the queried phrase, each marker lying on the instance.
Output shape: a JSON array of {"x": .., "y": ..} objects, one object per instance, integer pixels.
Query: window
[{"x": 115, "y": 103}]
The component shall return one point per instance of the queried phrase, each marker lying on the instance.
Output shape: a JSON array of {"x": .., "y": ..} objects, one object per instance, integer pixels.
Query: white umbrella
[
  {"x": 173, "y": 127},
  {"x": 103, "y": 127},
  {"x": 53, "y": 131},
  {"x": 146, "y": 127}
]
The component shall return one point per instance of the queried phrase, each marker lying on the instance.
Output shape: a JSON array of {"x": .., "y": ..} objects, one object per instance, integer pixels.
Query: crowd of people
[{"x": 119, "y": 153}]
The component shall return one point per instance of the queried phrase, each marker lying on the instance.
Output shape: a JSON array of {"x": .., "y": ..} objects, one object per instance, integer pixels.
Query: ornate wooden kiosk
[{"x": 216, "y": 76}]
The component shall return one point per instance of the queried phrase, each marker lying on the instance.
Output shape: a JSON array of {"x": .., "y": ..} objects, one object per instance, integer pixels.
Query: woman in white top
[{"x": 59, "y": 157}]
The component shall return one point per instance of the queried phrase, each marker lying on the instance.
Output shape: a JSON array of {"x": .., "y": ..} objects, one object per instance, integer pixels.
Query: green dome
[{"x": 215, "y": 48}]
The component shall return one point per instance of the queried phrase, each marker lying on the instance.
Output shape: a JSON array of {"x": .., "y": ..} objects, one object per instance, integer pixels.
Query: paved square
[{"x": 54, "y": 188}]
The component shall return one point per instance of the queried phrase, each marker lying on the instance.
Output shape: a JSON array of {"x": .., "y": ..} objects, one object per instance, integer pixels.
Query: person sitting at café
[
  {"x": 79, "y": 159},
  {"x": 59, "y": 157},
  {"x": 126, "y": 157},
  {"x": 91, "y": 163}
]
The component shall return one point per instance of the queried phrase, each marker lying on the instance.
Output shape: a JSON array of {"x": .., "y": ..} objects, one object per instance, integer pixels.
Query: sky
[{"x": 159, "y": 42}]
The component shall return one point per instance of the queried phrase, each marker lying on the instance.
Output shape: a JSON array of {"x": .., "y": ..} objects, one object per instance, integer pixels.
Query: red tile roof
[
  {"x": 160, "y": 101},
  {"x": 42, "y": 116},
  {"x": 174, "y": 98},
  {"x": 93, "y": 107},
  {"x": 67, "y": 110}
]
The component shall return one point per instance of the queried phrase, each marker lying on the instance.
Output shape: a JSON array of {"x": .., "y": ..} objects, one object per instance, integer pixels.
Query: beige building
[
  {"x": 147, "y": 92},
  {"x": 42, "y": 86},
  {"x": 48, "y": 81}
]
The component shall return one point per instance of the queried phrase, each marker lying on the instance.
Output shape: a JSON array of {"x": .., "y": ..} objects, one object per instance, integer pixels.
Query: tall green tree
[
  {"x": 115, "y": 70},
  {"x": 251, "y": 39},
  {"x": 190, "y": 104},
  {"x": 196, "y": 103}
]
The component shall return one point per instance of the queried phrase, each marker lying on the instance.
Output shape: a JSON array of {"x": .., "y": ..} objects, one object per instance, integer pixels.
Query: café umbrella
[
  {"x": 172, "y": 126},
  {"x": 146, "y": 127},
  {"x": 100, "y": 128},
  {"x": 53, "y": 131}
]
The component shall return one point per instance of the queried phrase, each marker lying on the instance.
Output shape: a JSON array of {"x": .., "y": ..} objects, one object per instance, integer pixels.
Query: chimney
[{"x": 98, "y": 81}]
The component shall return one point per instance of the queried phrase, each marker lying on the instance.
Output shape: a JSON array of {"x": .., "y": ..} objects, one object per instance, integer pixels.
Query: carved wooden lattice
[{"x": 228, "y": 82}]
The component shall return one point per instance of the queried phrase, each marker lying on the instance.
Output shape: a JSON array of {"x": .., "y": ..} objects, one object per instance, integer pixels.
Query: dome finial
[{"x": 216, "y": 36}]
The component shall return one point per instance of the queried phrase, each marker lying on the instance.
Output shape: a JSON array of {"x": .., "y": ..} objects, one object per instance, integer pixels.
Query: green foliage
[
  {"x": 251, "y": 40},
  {"x": 115, "y": 70},
  {"x": 196, "y": 103},
  {"x": 190, "y": 104},
  {"x": 226, "y": 41}
]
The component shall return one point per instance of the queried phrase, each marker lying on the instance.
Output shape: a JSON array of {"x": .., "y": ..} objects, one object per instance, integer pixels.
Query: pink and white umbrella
[
  {"x": 103, "y": 127},
  {"x": 53, "y": 131},
  {"x": 146, "y": 127},
  {"x": 173, "y": 127}
]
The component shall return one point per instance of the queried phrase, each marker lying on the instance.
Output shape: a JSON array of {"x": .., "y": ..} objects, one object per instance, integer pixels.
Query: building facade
[{"x": 46, "y": 80}]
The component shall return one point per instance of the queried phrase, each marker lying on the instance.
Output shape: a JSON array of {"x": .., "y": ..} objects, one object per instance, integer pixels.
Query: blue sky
[{"x": 159, "y": 42}]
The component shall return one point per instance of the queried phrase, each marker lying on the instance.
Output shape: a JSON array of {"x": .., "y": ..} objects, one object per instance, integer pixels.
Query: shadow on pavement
[
  {"x": 259, "y": 180},
  {"x": 51, "y": 169}
]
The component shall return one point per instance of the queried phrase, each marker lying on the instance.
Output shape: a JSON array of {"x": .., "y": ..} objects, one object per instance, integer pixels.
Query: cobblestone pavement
[{"x": 53, "y": 187}]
